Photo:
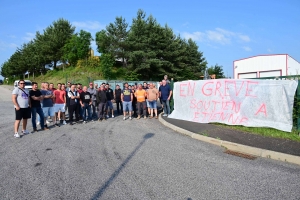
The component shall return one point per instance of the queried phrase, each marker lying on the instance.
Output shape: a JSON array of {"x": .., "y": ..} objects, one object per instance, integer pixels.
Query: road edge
[{"x": 264, "y": 153}]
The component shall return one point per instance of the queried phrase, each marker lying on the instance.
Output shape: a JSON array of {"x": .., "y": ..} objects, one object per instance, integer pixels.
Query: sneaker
[
  {"x": 84, "y": 122},
  {"x": 145, "y": 117},
  {"x": 64, "y": 122},
  {"x": 99, "y": 120},
  {"x": 124, "y": 118},
  {"x": 25, "y": 132},
  {"x": 71, "y": 123},
  {"x": 38, "y": 123},
  {"x": 156, "y": 117},
  {"x": 165, "y": 115},
  {"x": 150, "y": 117},
  {"x": 34, "y": 130},
  {"x": 139, "y": 117},
  {"x": 47, "y": 122},
  {"x": 107, "y": 116},
  {"x": 57, "y": 125},
  {"x": 130, "y": 117},
  {"x": 112, "y": 116},
  {"x": 46, "y": 128},
  {"x": 16, "y": 135}
]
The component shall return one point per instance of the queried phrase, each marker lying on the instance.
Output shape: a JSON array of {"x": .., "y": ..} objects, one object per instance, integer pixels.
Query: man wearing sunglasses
[{"x": 21, "y": 101}]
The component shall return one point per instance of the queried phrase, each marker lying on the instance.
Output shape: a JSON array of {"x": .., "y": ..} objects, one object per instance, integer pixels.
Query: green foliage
[
  {"x": 106, "y": 64},
  {"x": 78, "y": 47},
  {"x": 217, "y": 70}
]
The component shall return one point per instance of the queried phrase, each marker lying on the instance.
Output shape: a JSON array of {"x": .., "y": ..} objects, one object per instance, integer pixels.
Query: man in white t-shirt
[{"x": 21, "y": 101}]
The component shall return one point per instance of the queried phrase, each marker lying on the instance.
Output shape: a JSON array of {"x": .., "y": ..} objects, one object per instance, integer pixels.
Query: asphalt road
[{"x": 132, "y": 159}]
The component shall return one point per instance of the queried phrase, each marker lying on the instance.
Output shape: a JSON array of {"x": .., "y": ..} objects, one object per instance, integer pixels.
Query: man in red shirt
[{"x": 60, "y": 103}]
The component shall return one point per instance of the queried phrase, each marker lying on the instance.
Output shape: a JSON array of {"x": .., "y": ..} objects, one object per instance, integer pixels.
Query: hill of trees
[{"x": 145, "y": 50}]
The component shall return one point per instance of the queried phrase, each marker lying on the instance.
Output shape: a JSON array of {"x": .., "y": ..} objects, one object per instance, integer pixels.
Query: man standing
[
  {"x": 35, "y": 101},
  {"x": 117, "y": 95},
  {"x": 51, "y": 87},
  {"x": 152, "y": 96},
  {"x": 67, "y": 97},
  {"x": 48, "y": 104},
  {"x": 165, "y": 94},
  {"x": 74, "y": 98},
  {"x": 93, "y": 92},
  {"x": 140, "y": 95},
  {"x": 86, "y": 102},
  {"x": 21, "y": 101},
  {"x": 102, "y": 101},
  {"x": 60, "y": 103},
  {"x": 126, "y": 98},
  {"x": 109, "y": 104}
]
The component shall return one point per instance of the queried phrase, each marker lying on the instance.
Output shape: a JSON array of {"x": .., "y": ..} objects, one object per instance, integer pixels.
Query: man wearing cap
[{"x": 93, "y": 93}]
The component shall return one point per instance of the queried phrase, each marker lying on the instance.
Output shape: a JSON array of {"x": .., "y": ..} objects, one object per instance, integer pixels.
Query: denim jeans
[
  {"x": 86, "y": 107},
  {"x": 166, "y": 104},
  {"x": 39, "y": 111}
]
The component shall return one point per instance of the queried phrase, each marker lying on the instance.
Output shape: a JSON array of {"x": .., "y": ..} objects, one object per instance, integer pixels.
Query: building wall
[
  {"x": 260, "y": 66},
  {"x": 293, "y": 66}
]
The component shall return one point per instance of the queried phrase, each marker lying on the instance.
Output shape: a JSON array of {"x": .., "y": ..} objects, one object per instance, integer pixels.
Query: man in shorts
[
  {"x": 126, "y": 98},
  {"x": 60, "y": 103},
  {"x": 152, "y": 96},
  {"x": 48, "y": 104},
  {"x": 21, "y": 101}
]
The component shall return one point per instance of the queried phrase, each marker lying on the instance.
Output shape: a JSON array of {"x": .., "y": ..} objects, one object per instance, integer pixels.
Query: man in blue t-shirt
[
  {"x": 48, "y": 104},
  {"x": 165, "y": 94},
  {"x": 126, "y": 98}
]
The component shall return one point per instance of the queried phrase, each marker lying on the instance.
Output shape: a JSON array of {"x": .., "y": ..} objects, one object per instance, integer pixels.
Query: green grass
[{"x": 267, "y": 132}]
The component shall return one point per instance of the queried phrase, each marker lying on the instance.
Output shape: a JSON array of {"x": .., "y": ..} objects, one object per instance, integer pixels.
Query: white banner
[{"x": 253, "y": 103}]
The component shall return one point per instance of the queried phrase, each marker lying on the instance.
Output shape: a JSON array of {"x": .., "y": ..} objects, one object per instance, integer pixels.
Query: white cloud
[
  {"x": 247, "y": 48},
  {"x": 196, "y": 36},
  {"x": 89, "y": 25},
  {"x": 244, "y": 38},
  {"x": 29, "y": 36},
  {"x": 4, "y": 46},
  {"x": 218, "y": 35}
]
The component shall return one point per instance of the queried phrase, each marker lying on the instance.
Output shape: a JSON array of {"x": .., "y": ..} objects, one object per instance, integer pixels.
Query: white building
[{"x": 265, "y": 66}]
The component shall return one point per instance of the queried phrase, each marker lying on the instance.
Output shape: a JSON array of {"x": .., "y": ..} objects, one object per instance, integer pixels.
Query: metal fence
[{"x": 296, "y": 109}]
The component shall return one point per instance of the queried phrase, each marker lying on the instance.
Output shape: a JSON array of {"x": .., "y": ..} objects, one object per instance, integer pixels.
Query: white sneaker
[
  {"x": 25, "y": 132},
  {"x": 16, "y": 135},
  {"x": 107, "y": 116},
  {"x": 64, "y": 123},
  {"x": 124, "y": 118},
  {"x": 130, "y": 117},
  {"x": 113, "y": 116},
  {"x": 38, "y": 123},
  {"x": 47, "y": 122}
]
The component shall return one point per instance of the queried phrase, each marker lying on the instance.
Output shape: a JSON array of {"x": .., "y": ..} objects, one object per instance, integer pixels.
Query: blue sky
[{"x": 225, "y": 30}]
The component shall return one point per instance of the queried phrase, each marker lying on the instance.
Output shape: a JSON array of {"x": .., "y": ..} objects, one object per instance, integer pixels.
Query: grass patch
[{"x": 267, "y": 132}]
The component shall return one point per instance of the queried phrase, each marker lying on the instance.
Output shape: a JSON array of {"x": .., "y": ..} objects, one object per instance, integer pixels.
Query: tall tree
[
  {"x": 53, "y": 39},
  {"x": 113, "y": 39},
  {"x": 78, "y": 47},
  {"x": 217, "y": 70}
]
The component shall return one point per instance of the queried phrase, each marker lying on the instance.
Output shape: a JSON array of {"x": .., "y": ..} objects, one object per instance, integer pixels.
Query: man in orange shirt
[{"x": 140, "y": 95}]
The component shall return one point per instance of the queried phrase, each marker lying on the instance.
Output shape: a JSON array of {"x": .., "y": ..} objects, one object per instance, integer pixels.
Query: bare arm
[{"x": 14, "y": 100}]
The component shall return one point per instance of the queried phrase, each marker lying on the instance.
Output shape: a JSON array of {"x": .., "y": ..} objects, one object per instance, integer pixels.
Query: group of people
[{"x": 86, "y": 103}]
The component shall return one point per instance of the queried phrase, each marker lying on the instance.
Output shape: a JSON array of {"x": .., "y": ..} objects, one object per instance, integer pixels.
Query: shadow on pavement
[{"x": 102, "y": 189}]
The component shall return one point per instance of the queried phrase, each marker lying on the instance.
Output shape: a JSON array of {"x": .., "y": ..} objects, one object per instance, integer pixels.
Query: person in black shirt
[
  {"x": 101, "y": 101},
  {"x": 109, "y": 105},
  {"x": 117, "y": 95},
  {"x": 36, "y": 97},
  {"x": 86, "y": 102}
]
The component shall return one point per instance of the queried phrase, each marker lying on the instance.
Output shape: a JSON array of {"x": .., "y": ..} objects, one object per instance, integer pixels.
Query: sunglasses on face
[{"x": 22, "y": 83}]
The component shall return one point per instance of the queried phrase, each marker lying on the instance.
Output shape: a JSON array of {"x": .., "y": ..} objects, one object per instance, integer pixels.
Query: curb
[{"x": 235, "y": 146}]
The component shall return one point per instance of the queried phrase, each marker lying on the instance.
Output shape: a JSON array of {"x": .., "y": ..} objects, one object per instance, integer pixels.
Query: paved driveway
[{"x": 137, "y": 159}]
